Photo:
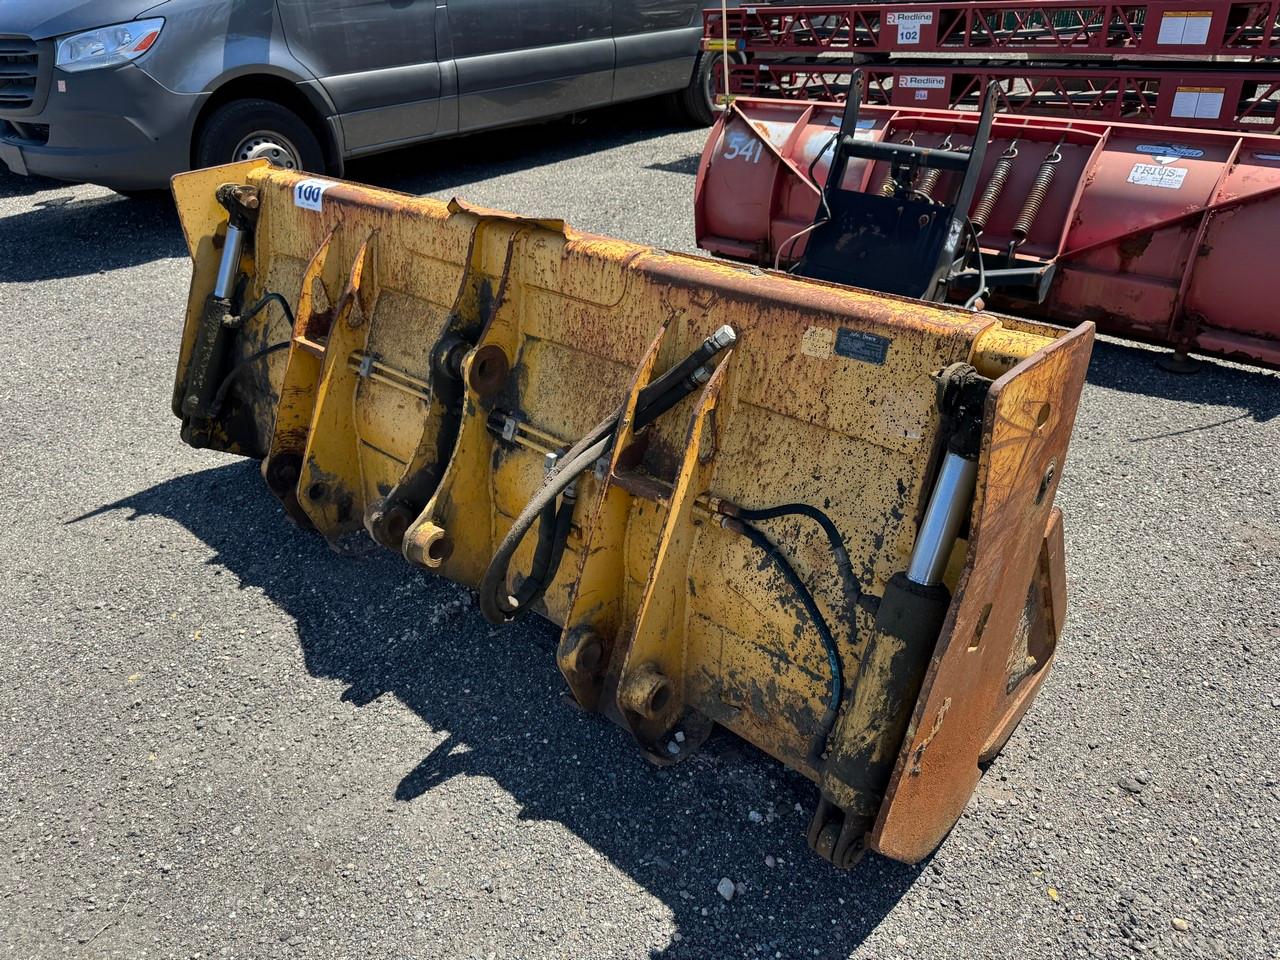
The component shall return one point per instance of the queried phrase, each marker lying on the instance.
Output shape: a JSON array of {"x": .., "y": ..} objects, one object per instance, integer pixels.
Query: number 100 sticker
[{"x": 309, "y": 194}]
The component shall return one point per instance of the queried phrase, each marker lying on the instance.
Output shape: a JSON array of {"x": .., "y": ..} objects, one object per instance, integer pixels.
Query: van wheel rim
[
  {"x": 713, "y": 81},
  {"x": 268, "y": 145}
]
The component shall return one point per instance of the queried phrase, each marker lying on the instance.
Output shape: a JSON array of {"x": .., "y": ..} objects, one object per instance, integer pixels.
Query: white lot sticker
[
  {"x": 817, "y": 343},
  {"x": 309, "y": 194},
  {"x": 1185, "y": 28},
  {"x": 908, "y": 24},
  {"x": 916, "y": 82},
  {"x": 1155, "y": 175},
  {"x": 922, "y": 94},
  {"x": 1200, "y": 103}
]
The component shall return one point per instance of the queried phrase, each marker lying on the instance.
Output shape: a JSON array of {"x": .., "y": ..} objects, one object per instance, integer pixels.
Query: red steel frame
[
  {"x": 1161, "y": 94},
  {"x": 1183, "y": 28},
  {"x": 1236, "y": 215}
]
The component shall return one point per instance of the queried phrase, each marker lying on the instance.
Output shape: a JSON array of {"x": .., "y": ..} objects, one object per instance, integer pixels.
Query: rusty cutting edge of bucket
[{"x": 819, "y": 517}]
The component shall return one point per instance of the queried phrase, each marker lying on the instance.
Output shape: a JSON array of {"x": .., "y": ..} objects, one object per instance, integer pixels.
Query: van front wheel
[
  {"x": 258, "y": 130},
  {"x": 697, "y": 102}
]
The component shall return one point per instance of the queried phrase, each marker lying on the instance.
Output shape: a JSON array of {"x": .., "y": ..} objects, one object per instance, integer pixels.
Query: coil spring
[
  {"x": 995, "y": 186},
  {"x": 888, "y": 185},
  {"x": 929, "y": 179},
  {"x": 1035, "y": 196}
]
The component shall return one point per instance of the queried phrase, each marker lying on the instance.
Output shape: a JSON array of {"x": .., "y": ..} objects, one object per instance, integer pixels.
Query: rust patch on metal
[
  {"x": 937, "y": 768},
  {"x": 488, "y": 370}
]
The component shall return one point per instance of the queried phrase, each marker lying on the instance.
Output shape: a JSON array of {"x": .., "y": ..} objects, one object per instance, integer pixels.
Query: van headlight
[{"x": 108, "y": 46}]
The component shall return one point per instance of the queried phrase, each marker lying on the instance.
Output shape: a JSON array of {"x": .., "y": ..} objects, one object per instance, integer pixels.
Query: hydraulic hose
[
  {"x": 659, "y": 405},
  {"x": 495, "y": 604},
  {"x": 852, "y": 593},
  {"x": 553, "y": 533},
  {"x": 818, "y": 745},
  {"x": 844, "y": 566},
  {"x": 720, "y": 340},
  {"x": 218, "y": 398},
  {"x": 655, "y": 399},
  {"x": 647, "y": 405},
  {"x": 270, "y": 297}
]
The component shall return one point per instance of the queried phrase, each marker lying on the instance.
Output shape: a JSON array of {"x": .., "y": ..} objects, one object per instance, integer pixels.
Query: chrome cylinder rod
[
  {"x": 229, "y": 267},
  {"x": 948, "y": 506}
]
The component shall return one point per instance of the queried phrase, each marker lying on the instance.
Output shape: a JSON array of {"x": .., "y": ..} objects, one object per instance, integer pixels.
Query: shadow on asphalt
[
  {"x": 66, "y": 236},
  {"x": 369, "y": 623},
  {"x": 686, "y": 165},
  {"x": 446, "y": 164},
  {"x": 70, "y": 237},
  {"x": 12, "y": 185},
  {"x": 1134, "y": 369}
]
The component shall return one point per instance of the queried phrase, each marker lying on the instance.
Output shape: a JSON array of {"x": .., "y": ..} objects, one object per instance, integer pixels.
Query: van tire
[
  {"x": 247, "y": 129},
  {"x": 696, "y": 102}
]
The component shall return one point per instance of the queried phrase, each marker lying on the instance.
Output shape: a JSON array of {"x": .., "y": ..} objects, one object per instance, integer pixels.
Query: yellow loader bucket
[{"x": 820, "y": 517}]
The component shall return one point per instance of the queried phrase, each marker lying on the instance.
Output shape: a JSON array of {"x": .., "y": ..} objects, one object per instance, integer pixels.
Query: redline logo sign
[
  {"x": 914, "y": 82},
  {"x": 909, "y": 24}
]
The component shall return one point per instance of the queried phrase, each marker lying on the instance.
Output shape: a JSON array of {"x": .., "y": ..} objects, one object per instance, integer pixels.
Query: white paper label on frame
[
  {"x": 1185, "y": 28},
  {"x": 908, "y": 24},
  {"x": 309, "y": 194},
  {"x": 1157, "y": 175}
]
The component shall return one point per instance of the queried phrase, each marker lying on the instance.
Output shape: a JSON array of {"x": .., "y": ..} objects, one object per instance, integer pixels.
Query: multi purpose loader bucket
[{"x": 819, "y": 517}]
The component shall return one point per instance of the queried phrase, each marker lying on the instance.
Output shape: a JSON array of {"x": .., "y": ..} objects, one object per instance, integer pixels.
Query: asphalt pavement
[{"x": 220, "y": 739}]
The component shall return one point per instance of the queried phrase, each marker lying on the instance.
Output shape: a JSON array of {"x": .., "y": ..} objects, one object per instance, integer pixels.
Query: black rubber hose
[
  {"x": 541, "y": 555},
  {"x": 261, "y": 305},
  {"x": 496, "y": 607},
  {"x": 818, "y": 745},
  {"x": 239, "y": 368},
  {"x": 553, "y": 533},
  {"x": 724, "y": 337},
  {"x": 844, "y": 566},
  {"x": 655, "y": 399},
  {"x": 659, "y": 405},
  {"x": 270, "y": 297},
  {"x": 653, "y": 396}
]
